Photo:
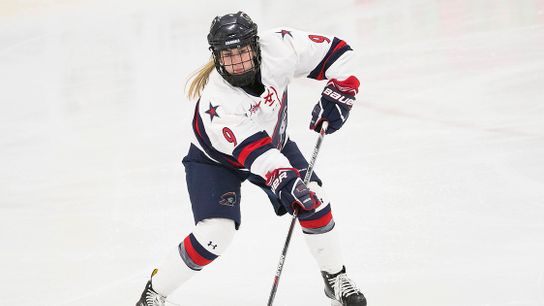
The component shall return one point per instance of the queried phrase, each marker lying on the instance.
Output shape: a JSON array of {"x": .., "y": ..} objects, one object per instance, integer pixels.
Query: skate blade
[{"x": 335, "y": 303}]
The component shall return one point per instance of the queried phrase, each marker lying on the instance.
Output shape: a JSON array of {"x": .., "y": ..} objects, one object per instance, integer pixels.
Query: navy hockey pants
[{"x": 214, "y": 189}]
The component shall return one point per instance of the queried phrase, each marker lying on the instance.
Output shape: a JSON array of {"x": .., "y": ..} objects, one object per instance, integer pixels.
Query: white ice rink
[{"x": 437, "y": 180}]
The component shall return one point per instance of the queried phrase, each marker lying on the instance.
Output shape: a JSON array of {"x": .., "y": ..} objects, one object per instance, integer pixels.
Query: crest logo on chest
[
  {"x": 255, "y": 107},
  {"x": 268, "y": 101},
  {"x": 269, "y": 98}
]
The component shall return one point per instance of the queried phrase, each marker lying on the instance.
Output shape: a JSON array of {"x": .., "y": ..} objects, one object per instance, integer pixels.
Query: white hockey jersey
[{"x": 242, "y": 131}]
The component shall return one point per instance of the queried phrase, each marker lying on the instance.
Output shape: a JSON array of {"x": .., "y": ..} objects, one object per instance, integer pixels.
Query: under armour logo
[{"x": 212, "y": 245}]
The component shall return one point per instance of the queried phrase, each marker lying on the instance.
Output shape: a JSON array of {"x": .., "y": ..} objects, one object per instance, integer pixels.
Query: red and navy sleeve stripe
[
  {"x": 251, "y": 148},
  {"x": 194, "y": 254},
  {"x": 206, "y": 144},
  {"x": 338, "y": 47}
]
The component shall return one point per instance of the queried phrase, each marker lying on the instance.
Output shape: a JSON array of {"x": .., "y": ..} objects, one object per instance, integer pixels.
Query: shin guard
[{"x": 208, "y": 240}]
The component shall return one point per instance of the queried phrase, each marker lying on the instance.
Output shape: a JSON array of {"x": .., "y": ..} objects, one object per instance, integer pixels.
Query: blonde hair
[{"x": 199, "y": 79}]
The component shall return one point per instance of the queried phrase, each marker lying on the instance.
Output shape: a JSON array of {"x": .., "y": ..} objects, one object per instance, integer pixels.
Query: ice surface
[{"x": 437, "y": 181}]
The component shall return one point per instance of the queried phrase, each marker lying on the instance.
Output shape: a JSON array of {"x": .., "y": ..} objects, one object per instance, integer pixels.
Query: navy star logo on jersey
[
  {"x": 284, "y": 32},
  {"x": 212, "y": 111}
]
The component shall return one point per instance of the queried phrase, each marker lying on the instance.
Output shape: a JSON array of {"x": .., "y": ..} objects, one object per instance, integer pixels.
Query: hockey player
[{"x": 239, "y": 125}]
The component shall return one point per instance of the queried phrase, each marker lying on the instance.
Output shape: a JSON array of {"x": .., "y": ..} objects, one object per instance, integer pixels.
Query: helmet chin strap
[{"x": 240, "y": 80}]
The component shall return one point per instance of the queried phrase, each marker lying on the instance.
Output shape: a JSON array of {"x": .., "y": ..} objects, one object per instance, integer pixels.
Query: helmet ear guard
[{"x": 235, "y": 31}]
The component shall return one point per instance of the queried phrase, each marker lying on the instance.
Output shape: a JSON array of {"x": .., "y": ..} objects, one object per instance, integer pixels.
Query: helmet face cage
[
  {"x": 236, "y": 58},
  {"x": 237, "y": 33}
]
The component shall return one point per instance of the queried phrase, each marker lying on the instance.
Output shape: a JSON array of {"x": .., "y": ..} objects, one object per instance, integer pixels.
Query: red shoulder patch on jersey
[
  {"x": 212, "y": 111},
  {"x": 284, "y": 32}
]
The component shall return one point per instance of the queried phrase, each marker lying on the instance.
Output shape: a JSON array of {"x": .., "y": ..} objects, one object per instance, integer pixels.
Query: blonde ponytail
[{"x": 199, "y": 79}]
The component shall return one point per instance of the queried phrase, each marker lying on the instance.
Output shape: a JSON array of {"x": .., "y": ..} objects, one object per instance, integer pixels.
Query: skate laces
[
  {"x": 154, "y": 299},
  {"x": 343, "y": 286}
]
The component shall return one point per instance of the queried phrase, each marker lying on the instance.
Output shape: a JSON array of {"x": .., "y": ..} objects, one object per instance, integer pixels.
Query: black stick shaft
[{"x": 309, "y": 172}]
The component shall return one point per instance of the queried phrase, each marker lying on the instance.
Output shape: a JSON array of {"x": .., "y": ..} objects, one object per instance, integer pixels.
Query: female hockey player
[{"x": 239, "y": 125}]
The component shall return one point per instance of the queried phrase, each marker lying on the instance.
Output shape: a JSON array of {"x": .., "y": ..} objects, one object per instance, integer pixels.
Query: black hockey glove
[
  {"x": 292, "y": 192},
  {"x": 336, "y": 101}
]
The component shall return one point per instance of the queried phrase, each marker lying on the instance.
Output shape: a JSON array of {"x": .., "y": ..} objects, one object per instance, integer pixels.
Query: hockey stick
[{"x": 307, "y": 177}]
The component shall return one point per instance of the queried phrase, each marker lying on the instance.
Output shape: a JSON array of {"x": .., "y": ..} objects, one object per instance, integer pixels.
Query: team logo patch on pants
[{"x": 228, "y": 199}]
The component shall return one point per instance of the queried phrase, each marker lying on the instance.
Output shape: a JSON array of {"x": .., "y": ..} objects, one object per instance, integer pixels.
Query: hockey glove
[
  {"x": 292, "y": 192},
  {"x": 336, "y": 101}
]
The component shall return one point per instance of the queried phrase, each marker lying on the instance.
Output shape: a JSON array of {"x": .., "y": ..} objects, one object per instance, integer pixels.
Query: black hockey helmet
[{"x": 235, "y": 31}]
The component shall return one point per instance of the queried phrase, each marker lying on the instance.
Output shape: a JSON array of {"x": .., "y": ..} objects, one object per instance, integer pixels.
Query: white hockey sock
[
  {"x": 326, "y": 251},
  {"x": 209, "y": 239},
  {"x": 172, "y": 272},
  {"x": 321, "y": 236}
]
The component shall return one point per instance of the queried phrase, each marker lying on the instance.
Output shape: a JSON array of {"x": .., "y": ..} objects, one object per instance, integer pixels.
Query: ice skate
[
  {"x": 342, "y": 290},
  {"x": 150, "y": 297}
]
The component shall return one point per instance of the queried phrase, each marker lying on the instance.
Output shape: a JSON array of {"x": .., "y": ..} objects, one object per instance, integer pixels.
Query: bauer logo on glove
[
  {"x": 338, "y": 97},
  {"x": 335, "y": 104}
]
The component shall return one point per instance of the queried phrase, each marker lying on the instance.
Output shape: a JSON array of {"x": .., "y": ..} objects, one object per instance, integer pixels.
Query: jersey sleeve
[
  {"x": 320, "y": 56},
  {"x": 235, "y": 134}
]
